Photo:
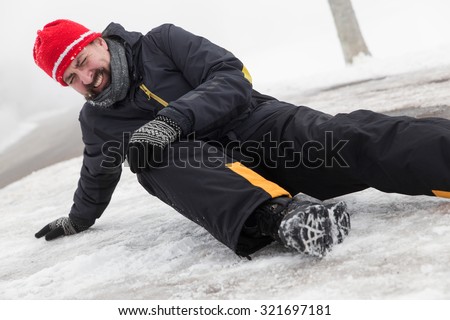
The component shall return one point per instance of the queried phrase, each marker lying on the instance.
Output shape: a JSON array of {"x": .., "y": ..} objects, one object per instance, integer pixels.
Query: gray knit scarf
[{"x": 120, "y": 79}]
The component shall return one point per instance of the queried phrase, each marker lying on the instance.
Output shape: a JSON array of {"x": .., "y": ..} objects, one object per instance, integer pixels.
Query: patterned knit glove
[
  {"x": 61, "y": 227},
  {"x": 147, "y": 143}
]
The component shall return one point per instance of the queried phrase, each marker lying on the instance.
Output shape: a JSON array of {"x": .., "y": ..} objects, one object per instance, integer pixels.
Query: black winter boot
[
  {"x": 307, "y": 228},
  {"x": 266, "y": 219},
  {"x": 340, "y": 221},
  {"x": 313, "y": 228},
  {"x": 302, "y": 223}
]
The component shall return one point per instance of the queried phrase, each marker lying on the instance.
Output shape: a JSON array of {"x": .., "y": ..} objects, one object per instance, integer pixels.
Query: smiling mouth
[
  {"x": 98, "y": 84},
  {"x": 98, "y": 81}
]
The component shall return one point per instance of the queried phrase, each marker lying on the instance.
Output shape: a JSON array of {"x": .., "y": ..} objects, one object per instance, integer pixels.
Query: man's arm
[
  {"x": 222, "y": 85},
  {"x": 98, "y": 180}
]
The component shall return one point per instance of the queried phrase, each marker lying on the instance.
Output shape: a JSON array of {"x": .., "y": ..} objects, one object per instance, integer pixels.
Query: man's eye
[{"x": 80, "y": 62}]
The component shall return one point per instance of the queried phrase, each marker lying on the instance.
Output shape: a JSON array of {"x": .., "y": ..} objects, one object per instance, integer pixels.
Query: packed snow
[
  {"x": 398, "y": 248},
  {"x": 143, "y": 249}
]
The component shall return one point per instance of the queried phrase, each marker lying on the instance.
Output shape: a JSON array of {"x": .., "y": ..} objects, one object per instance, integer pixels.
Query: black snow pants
[{"x": 280, "y": 149}]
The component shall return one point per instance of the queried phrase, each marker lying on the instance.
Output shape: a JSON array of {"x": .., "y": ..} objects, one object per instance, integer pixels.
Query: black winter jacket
[{"x": 174, "y": 73}]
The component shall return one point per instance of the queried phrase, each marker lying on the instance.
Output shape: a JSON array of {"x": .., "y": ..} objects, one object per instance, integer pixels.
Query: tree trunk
[{"x": 352, "y": 41}]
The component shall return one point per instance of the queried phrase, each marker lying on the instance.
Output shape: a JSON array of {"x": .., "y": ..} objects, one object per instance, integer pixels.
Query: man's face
[{"x": 90, "y": 71}]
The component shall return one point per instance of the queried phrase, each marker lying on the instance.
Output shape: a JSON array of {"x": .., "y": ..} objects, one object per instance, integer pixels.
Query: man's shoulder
[
  {"x": 117, "y": 30},
  {"x": 162, "y": 27}
]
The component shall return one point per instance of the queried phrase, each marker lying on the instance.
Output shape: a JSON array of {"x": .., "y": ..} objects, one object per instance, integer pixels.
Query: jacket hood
[{"x": 116, "y": 30}]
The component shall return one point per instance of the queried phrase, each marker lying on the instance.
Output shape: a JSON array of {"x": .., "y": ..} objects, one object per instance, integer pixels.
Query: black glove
[
  {"x": 147, "y": 143},
  {"x": 64, "y": 226}
]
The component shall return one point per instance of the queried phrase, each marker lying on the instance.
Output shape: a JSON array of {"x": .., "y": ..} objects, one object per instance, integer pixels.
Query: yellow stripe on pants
[
  {"x": 442, "y": 194},
  {"x": 257, "y": 180}
]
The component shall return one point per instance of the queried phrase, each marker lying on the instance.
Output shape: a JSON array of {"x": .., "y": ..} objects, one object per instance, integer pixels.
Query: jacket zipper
[{"x": 151, "y": 95}]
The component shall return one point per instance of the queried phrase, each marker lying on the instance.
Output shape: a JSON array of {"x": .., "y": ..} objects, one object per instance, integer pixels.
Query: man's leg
[
  {"x": 212, "y": 190},
  {"x": 397, "y": 154},
  {"x": 239, "y": 207},
  {"x": 304, "y": 150}
]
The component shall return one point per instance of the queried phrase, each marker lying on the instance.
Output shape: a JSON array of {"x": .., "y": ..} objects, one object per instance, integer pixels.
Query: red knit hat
[{"x": 57, "y": 45}]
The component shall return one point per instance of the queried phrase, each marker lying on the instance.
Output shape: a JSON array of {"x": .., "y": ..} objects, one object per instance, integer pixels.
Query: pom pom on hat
[{"x": 57, "y": 45}]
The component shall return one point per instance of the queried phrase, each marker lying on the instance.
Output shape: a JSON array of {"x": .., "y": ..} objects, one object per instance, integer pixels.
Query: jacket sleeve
[
  {"x": 98, "y": 177},
  {"x": 221, "y": 85}
]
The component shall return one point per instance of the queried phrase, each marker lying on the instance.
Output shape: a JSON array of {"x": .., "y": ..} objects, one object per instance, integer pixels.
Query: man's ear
[{"x": 101, "y": 42}]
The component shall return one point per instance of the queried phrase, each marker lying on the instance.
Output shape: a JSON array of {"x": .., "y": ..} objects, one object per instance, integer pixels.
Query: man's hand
[
  {"x": 61, "y": 227},
  {"x": 147, "y": 143}
]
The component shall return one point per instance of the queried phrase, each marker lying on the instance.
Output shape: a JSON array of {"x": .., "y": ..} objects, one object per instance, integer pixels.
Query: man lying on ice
[{"x": 183, "y": 112}]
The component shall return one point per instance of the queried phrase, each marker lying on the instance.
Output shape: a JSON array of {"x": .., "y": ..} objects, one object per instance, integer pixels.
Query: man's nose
[{"x": 86, "y": 77}]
